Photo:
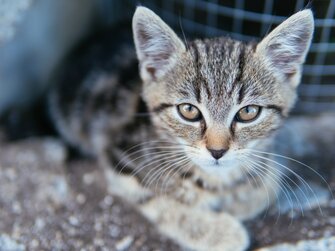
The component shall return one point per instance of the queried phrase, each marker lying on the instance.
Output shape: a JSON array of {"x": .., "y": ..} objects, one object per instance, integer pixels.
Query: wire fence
[{"x": 251, "y": 20}]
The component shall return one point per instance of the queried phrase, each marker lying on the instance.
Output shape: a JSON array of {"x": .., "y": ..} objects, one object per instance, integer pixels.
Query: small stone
[
  {"x": 88, "y": 179},
  {"x": 54, "y": 151},
  {"x": 304, "y": 230},
  {"x": 98, "y": 226},
  {"x": 311, "y": 234},
  {"x": 59, "y": 236},
  {"x": 124, "y": 243},
  {"x": 108, "y": 200},
  {"x": 60, "y": 187},
  {"x": 81, "y": 198},
  {"x": 7, "y": 243},
  {"x": 74, "y": 221},
  {"x": 17, "y": 207},
  {"x": 34, "y": 244},
  {"x": 71, "y": 231},
  {"x": 114, "y": 231},
  {"x": 39, "y": 224},
  {"x": 328, "y": 233},
  {"x": 78, "y": 244},
  {"x": 323, "y": 244},
  {"x": 11, "y": 174},
  {"x": 315, "y": 222},
  {"x": 98, "y": 242},
  {"x": 26, "y": 157}
]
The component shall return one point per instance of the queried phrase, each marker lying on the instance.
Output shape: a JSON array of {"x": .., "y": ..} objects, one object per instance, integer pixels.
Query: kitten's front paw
[
  {"x": 196, "y": 229},
  {"x": 126, "y": 186}
]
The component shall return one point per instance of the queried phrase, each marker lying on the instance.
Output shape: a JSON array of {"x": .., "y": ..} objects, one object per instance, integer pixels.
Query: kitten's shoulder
[{"x": 99, "y": 79}]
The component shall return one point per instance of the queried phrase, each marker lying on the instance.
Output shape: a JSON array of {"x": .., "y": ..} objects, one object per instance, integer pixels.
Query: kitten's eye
[
  {"x": 189, "y": 112},
  {"x": 248, "y": 113}
]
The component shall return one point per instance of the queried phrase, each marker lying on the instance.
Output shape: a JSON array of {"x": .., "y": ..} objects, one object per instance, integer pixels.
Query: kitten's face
[{"x": 219, "y": 97}]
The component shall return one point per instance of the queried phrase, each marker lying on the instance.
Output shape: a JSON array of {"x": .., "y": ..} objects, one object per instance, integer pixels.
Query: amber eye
[
  {"x": 189, "y": 112},
  {"x": 248, "y": 113}
]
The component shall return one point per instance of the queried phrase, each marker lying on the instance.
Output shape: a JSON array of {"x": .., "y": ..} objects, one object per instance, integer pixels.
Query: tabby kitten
[{"x": 180, "y": 143}]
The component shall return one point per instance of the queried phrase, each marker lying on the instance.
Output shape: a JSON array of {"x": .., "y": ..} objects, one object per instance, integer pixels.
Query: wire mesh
[{"x": 251, "y": 20}]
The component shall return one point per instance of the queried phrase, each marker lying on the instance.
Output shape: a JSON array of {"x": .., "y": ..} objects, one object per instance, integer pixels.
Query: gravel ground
[
  {"x": 49, "y": 205},
  {"x": 48, "y": 202}
]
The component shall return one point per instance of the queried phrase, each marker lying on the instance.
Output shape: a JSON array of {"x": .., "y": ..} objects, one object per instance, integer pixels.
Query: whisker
[
  {"x": 296, "y": 175},
  {"x": 146, "y": 149},
  {"x": 279, "y": 181},
  {"x": 165, "y": 183},
  {"x": 291, "y": 189},
  {"x": 127, "y": 159},
  {"x": 179, "y": 162},
  {"x": 247, "y": 171},
  {"x": 189, "y": 166},
  {"x": 263, "y": 174},
  {"x": 269, "y": 168},
  {"x": 300, "y": 163},
  {"x": 146, "y": 157},
  {"x": 162, "y": 165},
  {"x": 153, "y": 142},
  {"x": 163, "y": 169},
  {"x": 150, "y": 162},
  {"x": 158, "y": 153}
]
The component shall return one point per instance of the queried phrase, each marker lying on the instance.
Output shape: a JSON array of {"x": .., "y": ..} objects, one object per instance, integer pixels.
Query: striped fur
[{"x": 133, "y": 126}]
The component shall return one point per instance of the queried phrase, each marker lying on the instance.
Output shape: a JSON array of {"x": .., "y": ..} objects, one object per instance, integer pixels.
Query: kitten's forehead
[{"x": 218, "y": 65}]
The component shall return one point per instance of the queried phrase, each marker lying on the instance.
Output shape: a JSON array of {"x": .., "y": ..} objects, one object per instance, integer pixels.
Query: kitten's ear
[
  {"x": 157, "y": 46},
  {"x": 286, "y": 47}
]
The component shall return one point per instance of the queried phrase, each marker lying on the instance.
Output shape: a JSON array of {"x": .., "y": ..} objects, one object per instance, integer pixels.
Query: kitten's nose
[{"x": 217, "y": 154}]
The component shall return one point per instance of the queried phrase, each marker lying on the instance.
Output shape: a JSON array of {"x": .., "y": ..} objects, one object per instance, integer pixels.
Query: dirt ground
[{"x": 50, "y": 203}]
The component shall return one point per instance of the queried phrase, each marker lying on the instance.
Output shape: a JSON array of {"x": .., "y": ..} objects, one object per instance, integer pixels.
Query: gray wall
[{"x": 36, "y": 34}]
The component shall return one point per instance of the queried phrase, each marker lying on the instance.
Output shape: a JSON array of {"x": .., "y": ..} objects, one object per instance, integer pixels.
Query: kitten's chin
[{"x": 228, "y": 171}]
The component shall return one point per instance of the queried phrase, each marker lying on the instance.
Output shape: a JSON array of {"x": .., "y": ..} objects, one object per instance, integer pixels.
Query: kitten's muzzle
[{"x": 217, "y": 154}]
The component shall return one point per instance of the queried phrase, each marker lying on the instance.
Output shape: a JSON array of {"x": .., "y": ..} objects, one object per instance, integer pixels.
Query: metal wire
[{"x": 251, "y": 20}]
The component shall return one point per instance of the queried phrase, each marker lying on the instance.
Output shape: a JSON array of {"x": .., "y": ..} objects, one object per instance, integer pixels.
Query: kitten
[{"x": 180, "y": 139}]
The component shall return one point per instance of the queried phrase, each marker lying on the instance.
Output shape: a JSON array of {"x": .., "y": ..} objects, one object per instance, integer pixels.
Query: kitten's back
[{"x": 100, "y": 75}]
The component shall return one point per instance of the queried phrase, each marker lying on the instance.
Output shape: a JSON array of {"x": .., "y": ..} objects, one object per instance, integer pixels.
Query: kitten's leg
[
  {"x": 196, "y": 229},
  {"x": 125, "y": 186}
]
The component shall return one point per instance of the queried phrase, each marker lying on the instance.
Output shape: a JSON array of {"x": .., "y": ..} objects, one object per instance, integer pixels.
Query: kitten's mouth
[{"x": 215, "y": 164}]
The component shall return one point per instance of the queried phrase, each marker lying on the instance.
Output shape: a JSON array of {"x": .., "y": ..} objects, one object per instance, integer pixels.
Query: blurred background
[{"x": 36, "y": 35}]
